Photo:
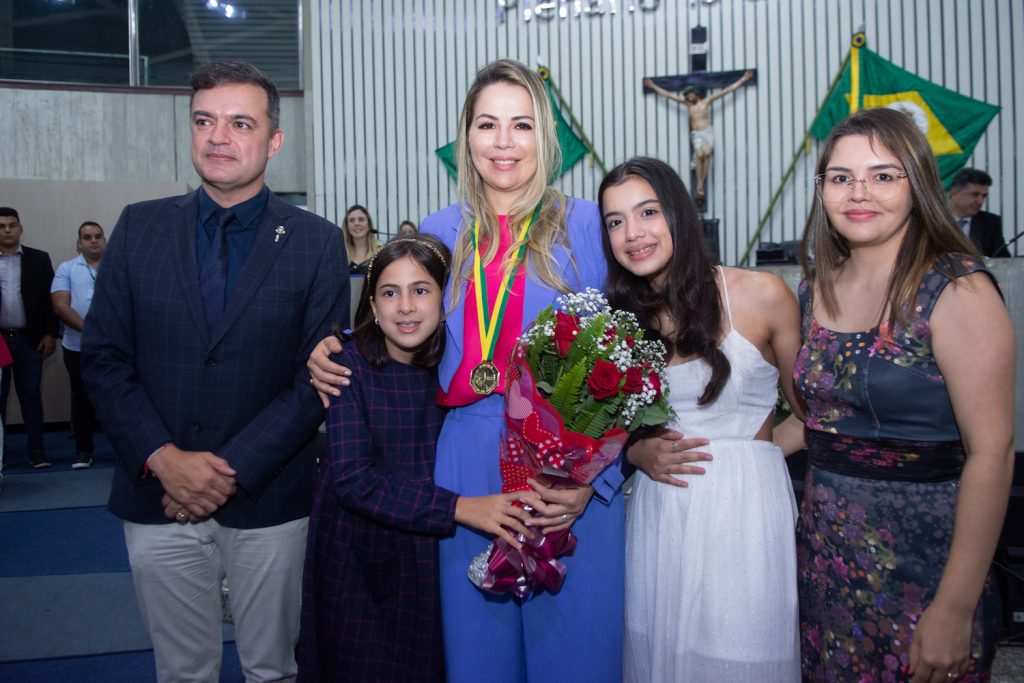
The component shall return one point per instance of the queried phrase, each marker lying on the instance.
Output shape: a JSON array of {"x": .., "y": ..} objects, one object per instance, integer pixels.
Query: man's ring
[
  {"x": 182, "y": 516},
  {"x": 565, "y": 518},
  {"x": 310, "y": 380},
  {"x": 951, "y": 675}
]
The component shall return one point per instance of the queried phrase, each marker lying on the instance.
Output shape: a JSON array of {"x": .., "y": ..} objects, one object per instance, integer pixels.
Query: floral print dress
[{"x": 880, "y": 494}]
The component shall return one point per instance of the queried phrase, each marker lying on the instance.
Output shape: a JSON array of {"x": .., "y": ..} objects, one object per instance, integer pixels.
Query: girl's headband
[{"x": 422, "y": 243}]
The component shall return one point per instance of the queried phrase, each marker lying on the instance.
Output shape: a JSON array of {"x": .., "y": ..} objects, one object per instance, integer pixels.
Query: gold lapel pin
[{"x": 280, "y": 231}]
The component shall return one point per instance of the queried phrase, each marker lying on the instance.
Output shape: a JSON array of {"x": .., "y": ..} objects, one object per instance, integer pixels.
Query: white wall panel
[{"x": 388, "y": 78}]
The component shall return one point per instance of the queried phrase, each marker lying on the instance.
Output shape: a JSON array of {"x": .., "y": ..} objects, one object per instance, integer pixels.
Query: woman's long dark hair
[
  {"x": 690, "y": 294},
  {"x": 433, "y": 255}
]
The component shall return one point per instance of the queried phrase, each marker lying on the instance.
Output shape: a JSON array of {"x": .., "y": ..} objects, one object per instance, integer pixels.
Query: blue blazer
[
  {"x": 586, "y": 268},
  {"x": 157, "y": 375}
]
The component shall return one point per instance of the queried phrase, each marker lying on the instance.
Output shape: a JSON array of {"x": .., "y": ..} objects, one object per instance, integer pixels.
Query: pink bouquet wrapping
[{"x": 579, "y": 381}]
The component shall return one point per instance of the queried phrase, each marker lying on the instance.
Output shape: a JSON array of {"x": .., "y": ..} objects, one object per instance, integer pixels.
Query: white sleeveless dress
[{"x": 711, "y": 568}]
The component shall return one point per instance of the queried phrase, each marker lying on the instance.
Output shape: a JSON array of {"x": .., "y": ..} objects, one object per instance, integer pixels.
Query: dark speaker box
[
  {"x": 778, "y": 252},
  {"x": 711, "y": 236}
]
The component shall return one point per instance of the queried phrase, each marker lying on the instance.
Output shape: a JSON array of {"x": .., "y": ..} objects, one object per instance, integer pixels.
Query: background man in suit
[
  {"x": 71, "y": 294},
  {"x": 29, "y": 327},
  {"x": 966, "y": 195},
  {"x": 205, "y": 310}
]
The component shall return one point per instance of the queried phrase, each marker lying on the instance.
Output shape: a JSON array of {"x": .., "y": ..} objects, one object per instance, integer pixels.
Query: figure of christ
[{"x": 702, "y": 136}]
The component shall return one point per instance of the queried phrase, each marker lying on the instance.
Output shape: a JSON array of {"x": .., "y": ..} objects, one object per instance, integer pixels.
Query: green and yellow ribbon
[{"x": 490, "y": 320}]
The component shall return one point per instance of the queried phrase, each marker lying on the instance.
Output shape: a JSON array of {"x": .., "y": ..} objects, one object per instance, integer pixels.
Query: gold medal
[{"x": 484, "y": 378}]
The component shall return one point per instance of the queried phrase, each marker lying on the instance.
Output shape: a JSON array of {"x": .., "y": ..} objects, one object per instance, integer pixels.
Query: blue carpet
[
  {"x": 70, "y": 615},
  {"x": 66, "y": 541},
  {"x": 48, "y": 617},
  {"x": 68, "y": 611},
  {"x": 126, "y": 667},
  {"x": 60, "y": 450},
  {"x": 58, "y": 489}
]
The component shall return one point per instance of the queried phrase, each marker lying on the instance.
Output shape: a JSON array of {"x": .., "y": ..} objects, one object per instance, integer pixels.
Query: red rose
[
  {"x": 656, "y": 383},
  {"x": 634, "y": 381},
  {"x": 630, "y": 341},
  {"x": 609, "y": 334},
  {"x": 566, "y": 327},
  {"x": 604, "y": 380}
]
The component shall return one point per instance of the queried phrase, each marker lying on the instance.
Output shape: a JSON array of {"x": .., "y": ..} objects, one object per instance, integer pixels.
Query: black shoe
[
  {"x": 38, "y": 460},
  {"x": 82, "y": 461}
]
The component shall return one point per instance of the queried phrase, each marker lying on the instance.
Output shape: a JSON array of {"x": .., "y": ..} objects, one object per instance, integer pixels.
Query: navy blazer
[
  {"x": 157, "y": 375},
  {"x": 987, "y": 232}
]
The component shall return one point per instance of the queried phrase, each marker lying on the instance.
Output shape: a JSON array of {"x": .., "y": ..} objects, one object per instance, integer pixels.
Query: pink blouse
[{"x": 460, "y": 393}]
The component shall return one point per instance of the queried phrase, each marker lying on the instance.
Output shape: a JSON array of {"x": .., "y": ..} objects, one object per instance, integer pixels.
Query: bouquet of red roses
[{"x": 579, "y": 380}]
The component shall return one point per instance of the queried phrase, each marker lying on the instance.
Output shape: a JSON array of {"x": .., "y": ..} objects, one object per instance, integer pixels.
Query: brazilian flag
[
  {"x": 952, "y": 122},
  {"x": 573, "y": 148}
]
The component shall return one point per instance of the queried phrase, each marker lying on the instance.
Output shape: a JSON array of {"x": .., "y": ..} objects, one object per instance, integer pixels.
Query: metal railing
[{"x": 142, "y": 71}]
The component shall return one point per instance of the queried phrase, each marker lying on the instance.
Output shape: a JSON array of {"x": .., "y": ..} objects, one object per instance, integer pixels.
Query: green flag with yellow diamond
[
  {"x": 573, "y": 148},
  {"x": 952, "y": 122}
]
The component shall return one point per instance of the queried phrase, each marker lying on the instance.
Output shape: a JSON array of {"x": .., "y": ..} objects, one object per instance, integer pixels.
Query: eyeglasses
[{"x": 835, "y": 186}]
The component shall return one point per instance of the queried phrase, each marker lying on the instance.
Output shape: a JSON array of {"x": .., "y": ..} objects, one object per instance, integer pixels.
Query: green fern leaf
[{"x": 567, "y": 391}]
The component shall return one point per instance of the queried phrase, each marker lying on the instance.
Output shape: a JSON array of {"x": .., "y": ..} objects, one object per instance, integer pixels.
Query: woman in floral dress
[{"x": 907, "y": 371}]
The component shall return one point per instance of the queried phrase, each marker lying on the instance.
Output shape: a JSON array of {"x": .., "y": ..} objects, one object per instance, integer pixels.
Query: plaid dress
[{"x": 370, "y": 596}]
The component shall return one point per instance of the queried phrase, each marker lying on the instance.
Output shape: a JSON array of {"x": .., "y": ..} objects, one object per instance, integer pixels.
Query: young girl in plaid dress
[{"x": 371, "y": 605}]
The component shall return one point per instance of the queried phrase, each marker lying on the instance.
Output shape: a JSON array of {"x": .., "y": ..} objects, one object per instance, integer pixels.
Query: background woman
[
  {"x": 360, "y": 239},
  {"x": 407, "y": 229},
  {"x": 711, "y": 569},
  {"x": 907, "y": 370},
  {"x": 548, "y": 244}
]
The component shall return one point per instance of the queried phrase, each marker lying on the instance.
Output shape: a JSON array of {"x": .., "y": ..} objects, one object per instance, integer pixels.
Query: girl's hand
[
  {"x": 667, "y": 453},
  {"x": 557, "y": 508},
  {"x": 496, "y": 514}
]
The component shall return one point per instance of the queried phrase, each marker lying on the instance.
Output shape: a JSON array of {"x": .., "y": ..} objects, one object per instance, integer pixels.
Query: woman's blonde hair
[
  {"x": 371, "y": 234},
  {"x": 931, "y": 230},
  {"x": 550, "y": 226}
]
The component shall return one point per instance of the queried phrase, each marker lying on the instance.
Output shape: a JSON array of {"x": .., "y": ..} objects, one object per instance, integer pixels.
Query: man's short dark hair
[
  {"x": 971, "y": 176},
  {"x": 8, "y": 211},
  {"x": 228, "y": 71},
  {"x": 86, "y": 223}
]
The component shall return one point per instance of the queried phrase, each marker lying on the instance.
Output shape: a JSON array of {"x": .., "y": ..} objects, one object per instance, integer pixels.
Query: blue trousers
[
  {"x": 575, "y": 635},
  {"x": 27, "y": 371}
]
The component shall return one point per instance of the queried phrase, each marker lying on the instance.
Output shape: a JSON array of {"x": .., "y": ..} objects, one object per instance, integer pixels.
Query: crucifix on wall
[
  {"x": 696, "y": 91},
  {"x": 697, "y": 100}
]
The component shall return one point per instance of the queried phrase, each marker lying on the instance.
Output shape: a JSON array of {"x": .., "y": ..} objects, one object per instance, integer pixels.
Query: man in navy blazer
[
  {"x": 205, "y": 310},
  {"x": 966, "y": 195}
]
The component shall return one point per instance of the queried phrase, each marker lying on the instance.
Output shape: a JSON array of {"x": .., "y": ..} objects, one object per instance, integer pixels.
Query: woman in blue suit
[{"x": 511, "y": 228}]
